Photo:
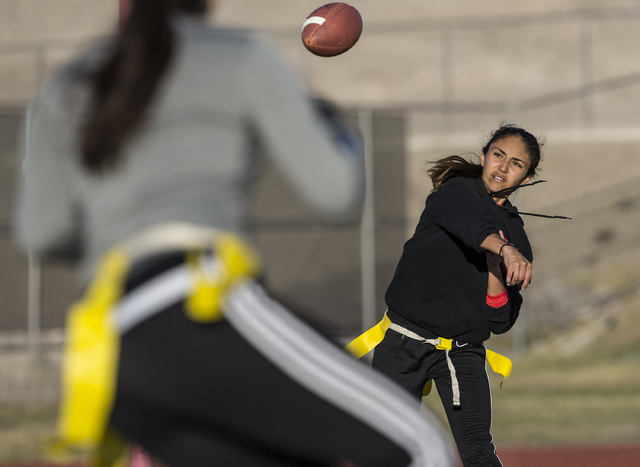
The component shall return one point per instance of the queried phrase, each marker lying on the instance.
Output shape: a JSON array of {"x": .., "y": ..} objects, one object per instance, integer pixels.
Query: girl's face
[{"x": 505, "y": 165}]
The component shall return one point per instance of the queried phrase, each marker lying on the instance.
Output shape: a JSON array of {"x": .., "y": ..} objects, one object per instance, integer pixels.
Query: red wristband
[{"x": 496, "y": 301}]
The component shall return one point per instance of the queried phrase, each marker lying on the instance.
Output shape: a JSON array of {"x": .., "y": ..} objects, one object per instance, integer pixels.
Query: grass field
[
  {"x": 23, "y": 430},
  {"x": 590, "y": 397}
]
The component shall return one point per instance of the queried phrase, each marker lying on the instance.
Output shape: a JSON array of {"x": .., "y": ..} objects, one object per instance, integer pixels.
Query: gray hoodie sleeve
[
  {"x": 323, "y": 166},
  {"x": 45, "y": 219},
  {"x": 317, "y": 157}
]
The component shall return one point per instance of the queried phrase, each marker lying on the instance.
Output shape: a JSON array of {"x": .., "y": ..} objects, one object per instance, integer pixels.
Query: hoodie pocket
[{"x": 456, "y": 310}]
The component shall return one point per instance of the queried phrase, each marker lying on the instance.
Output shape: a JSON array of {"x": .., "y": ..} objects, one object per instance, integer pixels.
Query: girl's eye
[{"x": 517, "y": 164}]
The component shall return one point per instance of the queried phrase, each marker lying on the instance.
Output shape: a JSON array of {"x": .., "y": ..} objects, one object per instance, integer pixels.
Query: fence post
[
  {"x": 34, "y": 301},
  {"x": 34, "y": 273},
  {"x": 367, "y": 225}
]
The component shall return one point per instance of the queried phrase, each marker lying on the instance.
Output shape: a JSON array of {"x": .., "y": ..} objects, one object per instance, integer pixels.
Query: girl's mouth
[{"x": 498, "y": 178}]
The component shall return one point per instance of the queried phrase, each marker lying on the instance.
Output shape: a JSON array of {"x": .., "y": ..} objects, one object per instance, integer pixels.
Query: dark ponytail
[
  {"x": 458, "y": 166},
  {"x": 452, "y": 166},
  {"x": 124, "y": 85}
]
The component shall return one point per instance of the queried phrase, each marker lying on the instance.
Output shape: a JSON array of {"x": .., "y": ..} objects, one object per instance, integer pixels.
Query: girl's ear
[
  {"x": 482, "y": 161},
  {"x": 526, "y": 180}
]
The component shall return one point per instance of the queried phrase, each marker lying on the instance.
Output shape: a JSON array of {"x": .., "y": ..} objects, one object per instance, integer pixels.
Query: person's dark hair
[
  {"x": 123, "y": 86},
  {"x": 458, "y": 166}
]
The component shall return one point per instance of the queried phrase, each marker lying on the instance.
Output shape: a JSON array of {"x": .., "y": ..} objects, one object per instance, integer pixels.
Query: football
[{"x": 331, "y": 29}]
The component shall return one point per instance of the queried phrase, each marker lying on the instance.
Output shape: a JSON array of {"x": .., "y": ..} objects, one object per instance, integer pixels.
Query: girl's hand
[{"x": 519, "y": 269}]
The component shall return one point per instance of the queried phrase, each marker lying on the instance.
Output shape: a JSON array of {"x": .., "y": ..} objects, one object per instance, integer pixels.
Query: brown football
[{"x": 332, "y": 29}]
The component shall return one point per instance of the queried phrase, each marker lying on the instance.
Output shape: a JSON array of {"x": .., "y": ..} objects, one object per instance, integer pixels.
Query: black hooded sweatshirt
[{"x": 440, "y": 283}]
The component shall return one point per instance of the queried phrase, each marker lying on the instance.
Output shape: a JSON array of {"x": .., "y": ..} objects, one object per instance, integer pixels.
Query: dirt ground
[
  {"x": 625, "y": 455},
  {"x": 571, "y": 456}
]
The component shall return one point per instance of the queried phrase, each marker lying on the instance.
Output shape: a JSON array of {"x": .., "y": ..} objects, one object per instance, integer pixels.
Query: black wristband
[{"x": 503, "y": 245}]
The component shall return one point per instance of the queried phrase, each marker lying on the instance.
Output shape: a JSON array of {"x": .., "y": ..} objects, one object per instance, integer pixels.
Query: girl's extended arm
[{"x": 519, "y": 269}]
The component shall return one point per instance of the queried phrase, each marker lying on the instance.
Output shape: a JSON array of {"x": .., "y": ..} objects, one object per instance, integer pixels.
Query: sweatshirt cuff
[{"x": 497, "y": 301}]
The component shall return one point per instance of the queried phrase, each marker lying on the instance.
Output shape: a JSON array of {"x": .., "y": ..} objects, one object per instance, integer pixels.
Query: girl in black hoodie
[{"x": 460, "y": 278}]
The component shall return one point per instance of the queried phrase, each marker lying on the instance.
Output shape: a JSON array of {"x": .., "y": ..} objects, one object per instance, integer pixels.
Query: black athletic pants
[
  {"x": 233, "y": 393},
  {"x": 412, "y": 363}
]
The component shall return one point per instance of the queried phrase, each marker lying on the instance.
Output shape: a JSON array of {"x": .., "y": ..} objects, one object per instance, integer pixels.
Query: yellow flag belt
[
  {"x": 93, "y": 340},
  {"x": 368, "y": 340}
]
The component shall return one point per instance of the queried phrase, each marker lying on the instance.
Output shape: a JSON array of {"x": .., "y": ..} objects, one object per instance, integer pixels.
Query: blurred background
[{"x": 427, "y": 79}]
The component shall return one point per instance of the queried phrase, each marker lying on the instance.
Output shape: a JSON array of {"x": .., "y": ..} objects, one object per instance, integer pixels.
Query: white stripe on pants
[{"x": 330, "y": 373}]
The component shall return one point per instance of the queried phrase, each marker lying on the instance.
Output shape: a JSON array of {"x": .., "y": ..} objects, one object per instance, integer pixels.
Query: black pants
[
  {"x": 412, "y": 363},
  {"x": 233, "y": 393}
]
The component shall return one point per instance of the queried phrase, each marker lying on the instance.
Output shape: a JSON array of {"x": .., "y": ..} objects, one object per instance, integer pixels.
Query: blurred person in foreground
[{"x": 139, "y": 157}]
